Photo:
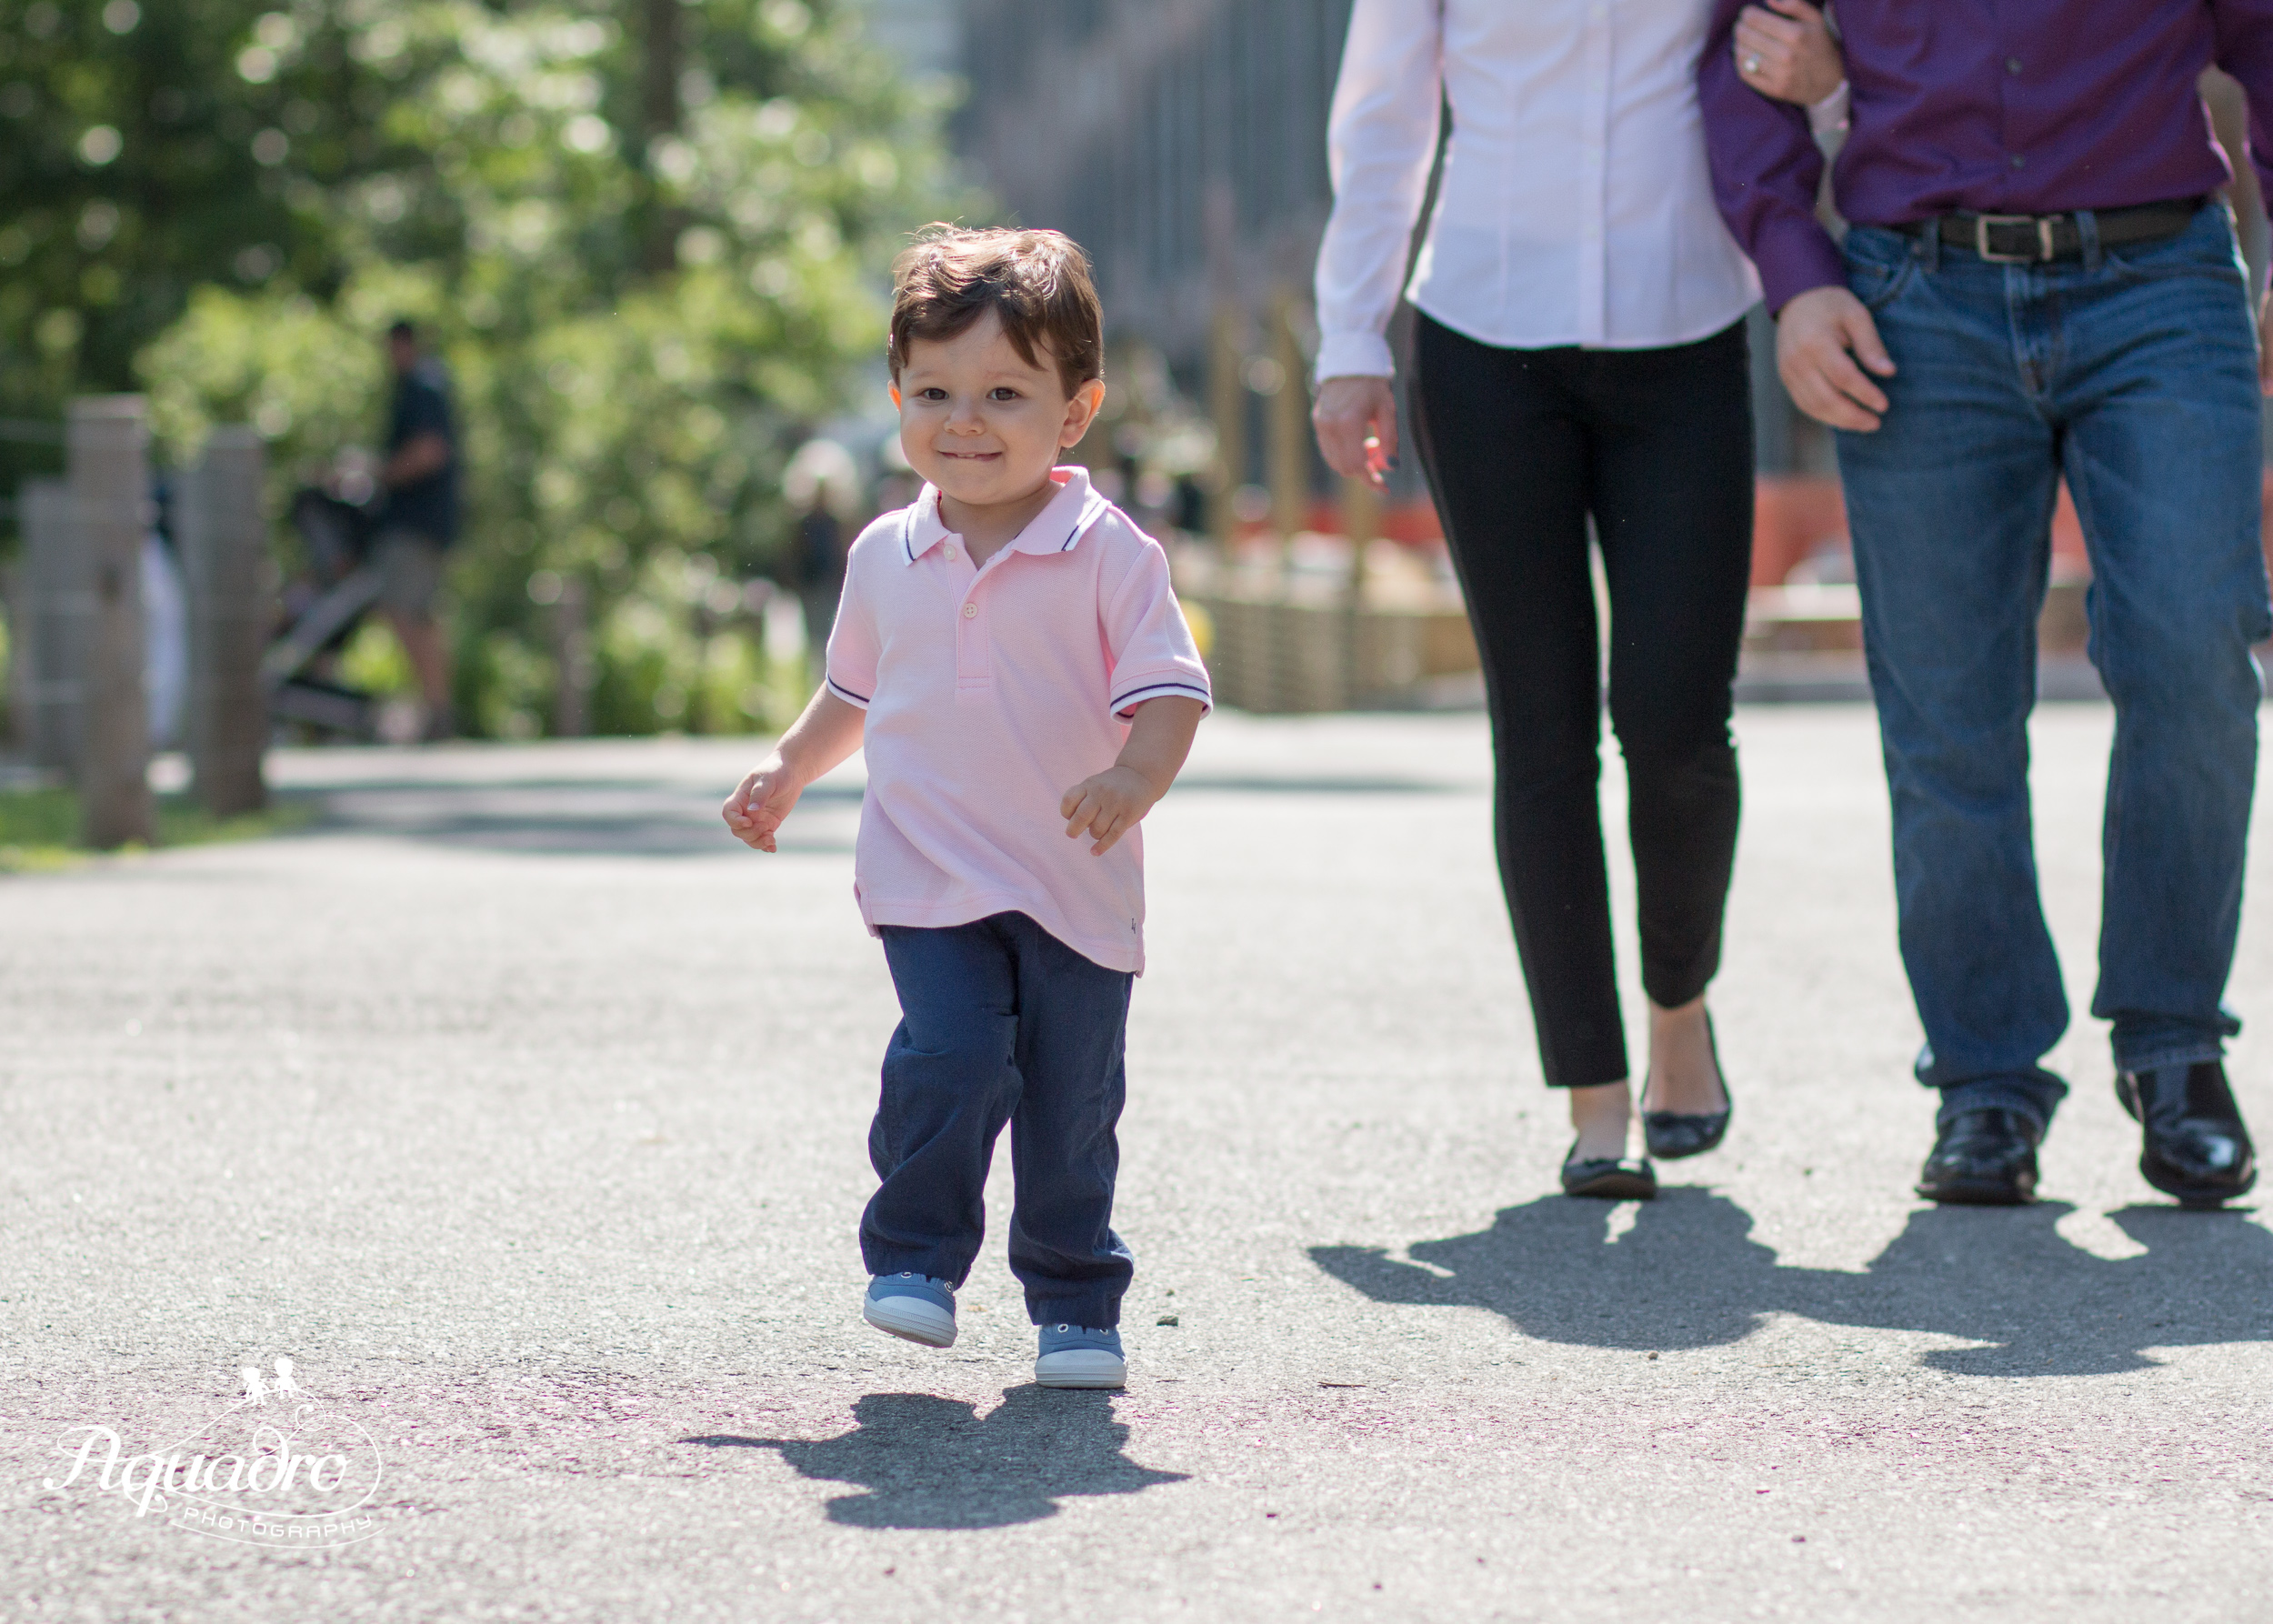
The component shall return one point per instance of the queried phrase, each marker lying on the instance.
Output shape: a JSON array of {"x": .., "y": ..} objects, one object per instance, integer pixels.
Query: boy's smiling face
[{"x": 982, "y": 422}]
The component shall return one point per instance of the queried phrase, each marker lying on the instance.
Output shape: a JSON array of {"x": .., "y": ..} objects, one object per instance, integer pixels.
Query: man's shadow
[
  {"x": 931, "y": 1463},
  {"x": 1689, "y": 1274}
]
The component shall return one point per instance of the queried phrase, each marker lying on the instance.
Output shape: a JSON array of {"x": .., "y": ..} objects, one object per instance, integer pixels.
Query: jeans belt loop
[{"x": 2088, "y": 232}]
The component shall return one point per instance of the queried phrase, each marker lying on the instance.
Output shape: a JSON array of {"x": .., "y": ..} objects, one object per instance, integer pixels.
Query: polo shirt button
[
  {"x": 970, "y": 611},
  {"x": 948, "y": 550}
]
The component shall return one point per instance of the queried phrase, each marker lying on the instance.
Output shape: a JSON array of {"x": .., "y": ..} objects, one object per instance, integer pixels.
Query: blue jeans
[
  {"x": 1001, "y": 1022},
  {"x": 2133, "y": 373}
]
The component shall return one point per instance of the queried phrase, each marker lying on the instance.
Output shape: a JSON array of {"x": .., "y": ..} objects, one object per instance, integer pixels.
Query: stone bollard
[
  {"x": 224, "y": 537},
  {"x": 107, "y": 446},
  {"x": 58, "y": 604}
]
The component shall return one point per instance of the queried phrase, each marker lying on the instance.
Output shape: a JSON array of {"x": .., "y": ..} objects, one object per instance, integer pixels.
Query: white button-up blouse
[{"x": 1576, "y": 207}]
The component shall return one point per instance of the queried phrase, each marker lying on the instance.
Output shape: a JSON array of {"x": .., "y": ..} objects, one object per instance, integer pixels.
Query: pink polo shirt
[{"x": 990, "y": 692}]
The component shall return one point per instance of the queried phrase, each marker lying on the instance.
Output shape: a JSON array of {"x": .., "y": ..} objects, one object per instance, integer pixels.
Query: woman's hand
[
  {"x": 1356, "y": 418},
  {"x": 1791, "y": 56}
]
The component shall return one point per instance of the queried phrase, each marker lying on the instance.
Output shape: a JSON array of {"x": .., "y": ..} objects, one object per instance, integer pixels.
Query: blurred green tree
[
  {"x": 149, "y": 146},
  {"x": 647, "y": 239}
]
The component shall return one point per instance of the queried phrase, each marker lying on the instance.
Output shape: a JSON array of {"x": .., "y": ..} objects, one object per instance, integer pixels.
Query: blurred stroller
[{"x": 320, "y": 615}]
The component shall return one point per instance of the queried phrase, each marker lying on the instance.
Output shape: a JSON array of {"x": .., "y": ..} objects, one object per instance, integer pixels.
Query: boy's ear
[
  {"x": 1082, "y": 411},
  {"x": 895, "y": 396}
]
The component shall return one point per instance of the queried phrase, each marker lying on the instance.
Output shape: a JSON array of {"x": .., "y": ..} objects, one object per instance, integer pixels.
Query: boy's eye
[
  {"x": 1001, "y": 392},
  {"x": 932, "y": 394}
]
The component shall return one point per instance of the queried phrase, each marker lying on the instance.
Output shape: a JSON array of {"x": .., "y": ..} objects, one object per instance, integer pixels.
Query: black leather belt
[{"x": 2033, "y": 239}]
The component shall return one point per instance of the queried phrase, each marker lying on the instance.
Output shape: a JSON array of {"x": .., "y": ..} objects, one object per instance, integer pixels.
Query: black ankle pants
[{"x": 1521, "y": 447}]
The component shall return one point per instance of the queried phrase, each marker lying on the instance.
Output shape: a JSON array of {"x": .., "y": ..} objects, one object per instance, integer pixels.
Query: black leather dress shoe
[
  {"x": 1608, "y": 1178},
  {"x": 1982, "y": 1159},
  {"x": 1672, "y": 1135},
  {"x": 2196, "y": 1146}
]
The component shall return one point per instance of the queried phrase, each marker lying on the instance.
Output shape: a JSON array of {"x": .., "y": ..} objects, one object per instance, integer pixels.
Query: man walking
[
  {"x": 419, "y": 518},
  {"x": 2039, "y": 283}
]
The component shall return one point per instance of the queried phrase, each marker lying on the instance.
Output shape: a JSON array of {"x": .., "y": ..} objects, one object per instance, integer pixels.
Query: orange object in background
[{"x": 1795, "y": 517}]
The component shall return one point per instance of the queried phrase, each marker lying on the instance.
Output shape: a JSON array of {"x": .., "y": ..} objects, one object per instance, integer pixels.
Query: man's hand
[
  {"x": 421, "y": 455},
  {"x": 1791, "y": 57},
  {"x": 1356, "y": 418},
  {"x": 1819, "y": 337},
  {"x": 1107, "y": 805},
  {"x": 757, "y": 806}
]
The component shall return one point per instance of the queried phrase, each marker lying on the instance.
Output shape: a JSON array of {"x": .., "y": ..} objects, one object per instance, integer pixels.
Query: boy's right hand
[{"x": 757, "y": 808}]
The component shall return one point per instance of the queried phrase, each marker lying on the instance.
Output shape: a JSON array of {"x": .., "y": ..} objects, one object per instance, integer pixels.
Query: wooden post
[
  {"x": 224, "y": 537},
  {"x": 107, "y": 446},
  {"x": 57, "y": 602},
  {"x": 1289, "y": 429},
  {"x": 1227, "y": 406}
]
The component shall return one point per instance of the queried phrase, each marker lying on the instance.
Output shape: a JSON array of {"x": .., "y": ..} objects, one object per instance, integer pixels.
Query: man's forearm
[{"x": 1765, "y": 168}]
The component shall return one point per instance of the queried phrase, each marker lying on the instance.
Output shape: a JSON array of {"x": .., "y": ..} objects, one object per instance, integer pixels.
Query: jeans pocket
[
  {"x": 2206, "y": 249},
  {"x": 1878, "y": 286},
  {"x": 1879, "y": 265}
]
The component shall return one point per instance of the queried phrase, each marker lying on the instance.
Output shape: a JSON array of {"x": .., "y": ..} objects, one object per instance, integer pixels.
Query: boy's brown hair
[{"x": 1037, "y": 281}]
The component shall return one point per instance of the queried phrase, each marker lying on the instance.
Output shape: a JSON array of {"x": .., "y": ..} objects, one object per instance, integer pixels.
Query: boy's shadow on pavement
[
  {"x": 931, "y": 1463},
  {"x": 1689, "y": 1274}
]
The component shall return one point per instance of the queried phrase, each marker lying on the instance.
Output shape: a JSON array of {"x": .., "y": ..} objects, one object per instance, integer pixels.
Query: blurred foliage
[
  {"x": 646, "y": 287},
  {"x": 151, "y": 147}
]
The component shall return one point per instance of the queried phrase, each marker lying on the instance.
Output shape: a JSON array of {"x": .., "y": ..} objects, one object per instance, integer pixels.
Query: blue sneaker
[
  {"x": 1075, "y": 1355},
  {"x": 913, "y": 1305}
]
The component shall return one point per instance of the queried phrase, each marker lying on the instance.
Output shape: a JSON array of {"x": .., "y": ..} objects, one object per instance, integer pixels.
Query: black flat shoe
[
  {"x": 2195, "y": 1146},
  {"x": 1672, "y": 1135},
  {"x": 1982, "y": 1159},
  {"x": 1608, "y": 1178}
]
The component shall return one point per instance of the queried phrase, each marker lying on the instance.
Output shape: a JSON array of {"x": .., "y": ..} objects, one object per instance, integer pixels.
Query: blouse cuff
[
  {"x": 1830, "y": 115},
  {"x": 1354, "y": 355}
]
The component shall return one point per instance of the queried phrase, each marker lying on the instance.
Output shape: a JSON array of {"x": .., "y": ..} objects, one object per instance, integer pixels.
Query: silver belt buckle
[{"x": 2043, "y": 223}]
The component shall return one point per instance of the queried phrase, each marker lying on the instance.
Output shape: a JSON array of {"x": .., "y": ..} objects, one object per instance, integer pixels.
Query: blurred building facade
[{"x": 1182, "y": 142}]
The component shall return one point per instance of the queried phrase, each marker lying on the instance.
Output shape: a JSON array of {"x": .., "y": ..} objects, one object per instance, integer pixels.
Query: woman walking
[{"x": 1579, "y": 361}]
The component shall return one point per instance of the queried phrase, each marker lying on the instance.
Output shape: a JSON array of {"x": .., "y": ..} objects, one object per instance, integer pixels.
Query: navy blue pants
[{"x": 1001, "y": 1022}]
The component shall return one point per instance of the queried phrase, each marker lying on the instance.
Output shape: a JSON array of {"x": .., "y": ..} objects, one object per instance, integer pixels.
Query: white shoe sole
[
  {"x": 1081, "y": 1368},
  {"x": 912, "y": 1318}
]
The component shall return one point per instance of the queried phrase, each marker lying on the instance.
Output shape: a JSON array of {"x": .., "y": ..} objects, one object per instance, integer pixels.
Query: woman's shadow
[
  {"x": 1689, "y": 1274},
  {"x": 928, "y": 1462}
]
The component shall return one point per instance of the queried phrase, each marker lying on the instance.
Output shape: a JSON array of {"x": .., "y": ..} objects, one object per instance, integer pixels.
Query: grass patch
[{"x": 39, "y": 828}]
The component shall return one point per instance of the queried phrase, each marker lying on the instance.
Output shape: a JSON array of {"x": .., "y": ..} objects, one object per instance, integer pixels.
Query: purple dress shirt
[{"x": 1985, "y": 106}]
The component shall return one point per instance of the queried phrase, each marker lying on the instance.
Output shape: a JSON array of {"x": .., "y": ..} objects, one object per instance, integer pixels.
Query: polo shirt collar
[{"x": 1055, "y": 529}]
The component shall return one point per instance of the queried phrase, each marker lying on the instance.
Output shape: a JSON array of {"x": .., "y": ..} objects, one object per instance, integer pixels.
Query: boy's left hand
[{"x": 1107, "y": 805}]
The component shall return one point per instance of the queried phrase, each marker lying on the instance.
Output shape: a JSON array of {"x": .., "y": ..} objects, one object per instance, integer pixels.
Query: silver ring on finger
[{"x": 1751, "y": 65}]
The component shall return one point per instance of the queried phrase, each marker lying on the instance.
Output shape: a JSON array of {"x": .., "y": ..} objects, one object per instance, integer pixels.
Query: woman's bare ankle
[
  {"x": 1683, "y": 1075},
  {"x": 1603, "y": 1116}
]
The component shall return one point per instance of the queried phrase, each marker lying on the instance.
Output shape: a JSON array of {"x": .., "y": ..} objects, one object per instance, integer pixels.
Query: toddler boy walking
[{"x": 1011, "y": 657}]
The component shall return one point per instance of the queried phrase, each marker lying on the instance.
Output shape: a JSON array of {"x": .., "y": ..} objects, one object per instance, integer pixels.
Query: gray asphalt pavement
[{"x": 524, "y": 1113}]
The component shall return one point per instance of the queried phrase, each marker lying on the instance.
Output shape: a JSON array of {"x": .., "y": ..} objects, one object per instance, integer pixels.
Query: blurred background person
[
  {"x": 418, "y": 519},
  {"x": 820, "y": 483}
]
